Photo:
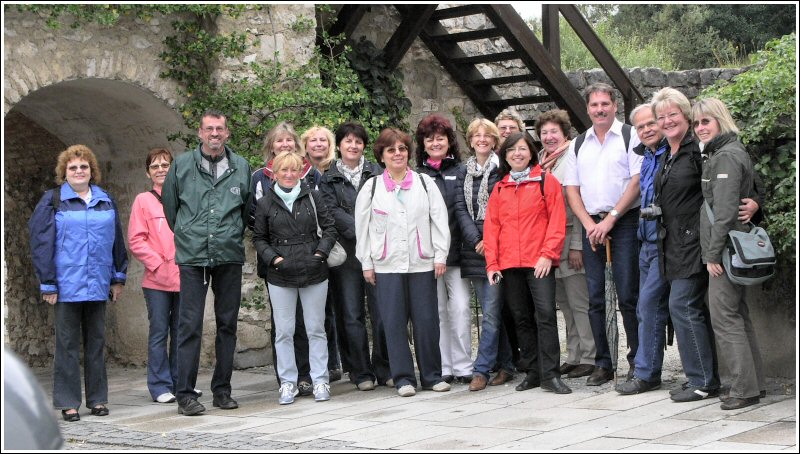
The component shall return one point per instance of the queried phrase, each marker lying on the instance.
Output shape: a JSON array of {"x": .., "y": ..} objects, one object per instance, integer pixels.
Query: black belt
[{"x": 301, "y": 239}]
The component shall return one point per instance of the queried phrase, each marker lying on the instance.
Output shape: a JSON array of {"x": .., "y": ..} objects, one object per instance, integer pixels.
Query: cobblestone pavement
[{"x": 497, "y": 418}]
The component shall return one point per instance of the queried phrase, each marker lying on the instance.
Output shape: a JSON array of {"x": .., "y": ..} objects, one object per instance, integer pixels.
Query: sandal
[
  {"x": 100, "y": 410},
  {"x": 70, "y": 417}
]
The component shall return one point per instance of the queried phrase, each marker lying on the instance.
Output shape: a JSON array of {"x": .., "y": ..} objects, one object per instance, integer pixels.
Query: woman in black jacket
[
  {"x": 287, "y": 219},
  {"x": 339, "y": 188}
]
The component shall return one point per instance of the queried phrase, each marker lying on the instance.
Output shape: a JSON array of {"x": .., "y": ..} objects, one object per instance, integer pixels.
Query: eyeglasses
[
  {"x": 672, "y": 116},
  {"x": 704, "y": 122},
  {"x": 211, "y": 129},
  {"x": 519, "y": 149},
  {"x": 393, "y": 150},
  {"x": 508, "y": 128},
  {"x": 164, "y": 166},
  {"x": 83, "y": 167}
]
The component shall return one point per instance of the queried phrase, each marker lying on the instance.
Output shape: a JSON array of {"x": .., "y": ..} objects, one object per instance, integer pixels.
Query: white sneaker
[
  {"x": 406, "y": 391},
  {"x": 166, "y": 398},
  {"x": 322, "y": 392},
  {"x": 390, "y": 383},
  {"x": 198, "y": 392},
  {"x": 366, "y": 385},
  {"x": 288, "y": 392},
  {"x": 441, "y": 387}
]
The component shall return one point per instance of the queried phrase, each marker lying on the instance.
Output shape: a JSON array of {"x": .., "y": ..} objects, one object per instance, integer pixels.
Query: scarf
[
  {"x": 287, "y": 197},
  {"x": 549, "y": 161},
  {"x": 435, "y": 164},
  {"x": 351, "y": 175},
  {"x": 483, "y": 191},
  {"x": 521, "y": 175}
]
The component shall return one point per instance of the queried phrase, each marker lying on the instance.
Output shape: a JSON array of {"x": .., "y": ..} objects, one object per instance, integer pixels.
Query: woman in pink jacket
[{"x": 151, "y": 242}]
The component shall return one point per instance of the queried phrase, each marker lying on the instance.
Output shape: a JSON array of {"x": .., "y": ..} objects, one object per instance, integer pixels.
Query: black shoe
[
  {"x": 735, "y": 403},
  {"x": 190, "y": 407},
  {"x": 224, "y": 401},
  {"x": 305, "y": 388},
  {"x": 530, "y": 381},
  {"x": 566, "y": 368},
  {"x": 70, "y": 417},
  {"x": 100, "y": 410},
  {"x": 684, "y": 385},
  {"x": 448, "y": 378},
  {"x": 725, "y": 393},
  {"x": 464, "y": 379},
  {"x": 629, "y": 376},
  {"x": 334, "y": 375},
  {"x": 693, "y": 393},
  {"x": 555, "y": 385},
  {"x": 637, "y": 385},
  {"x": 599, "y": 376},
  {"x": 581, "y": 371}
]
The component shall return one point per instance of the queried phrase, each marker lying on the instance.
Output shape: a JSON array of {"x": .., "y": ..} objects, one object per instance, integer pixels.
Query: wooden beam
[
  {"x": 550, "y": 32},
  {"x": 457, "y": 11},
  {"x": 471, "y": 35},
  {"x": 414, "y": 18}
]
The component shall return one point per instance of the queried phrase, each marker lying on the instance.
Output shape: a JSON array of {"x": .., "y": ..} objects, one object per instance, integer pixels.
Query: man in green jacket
[{"x": 205, "y": 201}]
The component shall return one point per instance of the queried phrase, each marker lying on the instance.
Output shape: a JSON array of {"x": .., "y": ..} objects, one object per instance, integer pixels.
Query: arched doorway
[{"x": 120, "y": 122}]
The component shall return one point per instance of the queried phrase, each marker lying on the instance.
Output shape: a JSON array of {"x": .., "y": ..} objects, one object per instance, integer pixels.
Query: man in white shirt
[{"x": 602, "y": 181}]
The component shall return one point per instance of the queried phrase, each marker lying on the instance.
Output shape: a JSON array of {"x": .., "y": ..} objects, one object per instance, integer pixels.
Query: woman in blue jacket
[{"x": 79, "y": 256}]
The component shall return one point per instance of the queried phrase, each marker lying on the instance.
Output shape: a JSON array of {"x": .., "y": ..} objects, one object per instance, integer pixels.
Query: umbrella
[{"x": 612, "y": 334}]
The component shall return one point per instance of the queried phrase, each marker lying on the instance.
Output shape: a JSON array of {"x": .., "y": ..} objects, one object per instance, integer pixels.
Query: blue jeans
[
  {"x": 493, "y": 347},
  {"x": 652, "y": 313},
  {"x": 692, "y": 322},
  {"x": 162, "y": 363},
  {"x": 76, "y": 321},
  {"x": 625, "y": 265}
]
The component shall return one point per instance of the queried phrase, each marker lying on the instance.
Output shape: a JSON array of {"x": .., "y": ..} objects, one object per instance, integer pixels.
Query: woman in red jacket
[{"x": 523, "y": 236}]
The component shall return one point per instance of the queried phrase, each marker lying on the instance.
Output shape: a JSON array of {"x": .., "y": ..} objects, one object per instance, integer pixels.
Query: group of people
[{"x": 523, "y": 225}]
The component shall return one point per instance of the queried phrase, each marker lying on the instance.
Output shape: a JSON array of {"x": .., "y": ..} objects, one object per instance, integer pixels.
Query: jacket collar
[
  {"x": 405, "y": 184},
  {"x": 535, "y": 175}
]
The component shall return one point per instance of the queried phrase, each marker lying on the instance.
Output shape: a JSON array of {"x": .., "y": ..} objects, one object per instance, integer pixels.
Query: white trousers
[{"x": 455, "y": 323}]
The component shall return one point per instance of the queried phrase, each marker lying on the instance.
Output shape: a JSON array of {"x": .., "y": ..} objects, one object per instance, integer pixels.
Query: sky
[{"x": 528, "y": 9}]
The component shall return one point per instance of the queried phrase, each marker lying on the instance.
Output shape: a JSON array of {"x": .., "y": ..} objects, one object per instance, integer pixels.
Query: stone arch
[{"x": 119, "y": 121}]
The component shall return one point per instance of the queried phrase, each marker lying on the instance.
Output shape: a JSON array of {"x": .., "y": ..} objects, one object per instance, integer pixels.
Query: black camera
[{"x": 650, "y": 212}]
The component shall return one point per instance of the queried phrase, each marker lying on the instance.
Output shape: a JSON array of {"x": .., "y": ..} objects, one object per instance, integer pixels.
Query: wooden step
[
  {"x": 487, "y": 58},
  {"x": 457, "y": 11},
  {"x": 470, "y": 36},
  {"x": 505, "y": 80}
]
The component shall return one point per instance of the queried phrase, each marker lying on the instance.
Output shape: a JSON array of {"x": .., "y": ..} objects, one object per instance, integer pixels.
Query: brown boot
[
  {"x": 478, "y": 382},
  {"x": 502, "y": 377}
]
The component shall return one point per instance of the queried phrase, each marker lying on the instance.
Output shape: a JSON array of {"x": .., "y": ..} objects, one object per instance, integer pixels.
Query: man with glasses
[
  {"x": 602, "y": 181},
  {"x": 205, "y": 202}
]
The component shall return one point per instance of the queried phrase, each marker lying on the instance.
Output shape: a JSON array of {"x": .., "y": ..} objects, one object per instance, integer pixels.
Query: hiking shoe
[
  {"x": 636, "y": 386},
  {"x": 305, "y": 388},
  {"x": 406, "y": 391},
  {"x": 322, "y": 392},
  {"x": 366, "y": 385},
  {"x": 166, "y": 398},
  {"x": 190, "y": 407},
  {"x": 441, "y": 387},
  {"x": 288, "y": 392},
  {"x": 692, "y": 394}
]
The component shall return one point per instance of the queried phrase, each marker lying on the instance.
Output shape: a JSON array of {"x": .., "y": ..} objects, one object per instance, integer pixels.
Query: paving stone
[
  {"x": 408, "y": 410},
  {"x": 782, "y": 409},
  {"x": 474, "y": 439},
  {"x": 645, "y": 447},
  {"x": 603, "y": 444},
  {"x": 712, "y": 412},
  {"x": 664, "y": 427},
  {"x": 458, "y": 411},
  {"x": 291, "y": 423},
  {"x": 724, "y": 446},
  {"x": 779, "y": 433},
  {"x": 391, "y": 435},
  {"x": 306, "y": 432},
  {"x": 526, "y": 419},
  {"x": 615, "y": 401},
  {"x": 559, "y": 438},
  {"x": 708, "y": 433}
]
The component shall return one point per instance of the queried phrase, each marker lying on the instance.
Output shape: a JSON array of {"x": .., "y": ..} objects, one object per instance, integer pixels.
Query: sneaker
[
  {"x": 288, "y": 392},
  {"x": 390, "y": 383},
  {"x": 441, "y": 387},
  {"x": 692, "y": 394},
  {"x": 322, "y": 392},
  {"x": 166, "y": 398},
  {"x": 198, "y": 392},
  {"x": 636, "y": 386},
  {"x": 683, "y": 387},
  {"x": 366, "y": 385},
  {"x": 406, "y": 391},
  {"x": 304, "y": 388}
]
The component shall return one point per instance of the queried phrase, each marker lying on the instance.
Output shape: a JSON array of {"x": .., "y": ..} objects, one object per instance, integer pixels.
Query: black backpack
[{"x": 626, "y": 136}]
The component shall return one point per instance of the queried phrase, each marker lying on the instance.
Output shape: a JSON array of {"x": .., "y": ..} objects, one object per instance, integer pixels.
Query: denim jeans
[
  {"x": 226, "y": 283},
  {"x": 539, "y": 350},
  {"x": 162, "y": 362},
  {"x": 652, "y": 313},
  {"x": 401, "y": 296},
  {"x": 625, "y": 265},
  {"x": 349, "y": 288},
  {"x": 284, "y": 304},
  {"x": 493, "y": 347},
  {"x": 76, "y": 321},
  {"x": 692, "y": 323}
]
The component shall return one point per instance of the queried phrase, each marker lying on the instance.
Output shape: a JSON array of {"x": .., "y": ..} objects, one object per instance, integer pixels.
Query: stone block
[
  {"x": 714, "y": 431},
  {"x": 594, "y": 76},
  {"x": 251, "y": 337},
  {"x": 676, "y": 79},
  {"x": 654, "y": 77},
  {"x": 779, "y": 433}
]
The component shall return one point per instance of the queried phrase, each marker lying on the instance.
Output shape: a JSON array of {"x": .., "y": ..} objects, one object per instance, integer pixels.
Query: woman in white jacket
[{"x": 402, "y": 240}]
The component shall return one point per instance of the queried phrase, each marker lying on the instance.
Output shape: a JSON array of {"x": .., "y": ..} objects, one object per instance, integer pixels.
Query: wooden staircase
[{"x": 540, "y": 63}]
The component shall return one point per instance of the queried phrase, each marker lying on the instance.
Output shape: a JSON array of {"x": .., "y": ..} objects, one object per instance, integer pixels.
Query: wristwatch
[{"x": 614, "y": 213}]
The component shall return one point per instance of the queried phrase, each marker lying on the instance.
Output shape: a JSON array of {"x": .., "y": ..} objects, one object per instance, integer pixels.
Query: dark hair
[
  {"x": 430, "y": 125},
  {"x": 213, "y": 113},
  {"x": 387, "y": 138},
  {"x": 600, "y": 87},
  {"x": 157, "y": 153},
  {"x": 505, "y": 168},
  {"x": 556, "y": 116},
  {"x": 351, "y": 127}
]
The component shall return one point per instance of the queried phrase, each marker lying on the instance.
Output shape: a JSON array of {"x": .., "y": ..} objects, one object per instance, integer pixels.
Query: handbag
[
  {"x": 749, "y": 257},
  {"x": 337, "y": 255}
]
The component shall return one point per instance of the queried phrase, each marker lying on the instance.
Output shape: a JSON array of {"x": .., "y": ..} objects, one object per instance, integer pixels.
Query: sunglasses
[
  {"x": 164, "y": 166},
  {"x": 704, "y": 122},
  {"x": 83, "y": 167}
]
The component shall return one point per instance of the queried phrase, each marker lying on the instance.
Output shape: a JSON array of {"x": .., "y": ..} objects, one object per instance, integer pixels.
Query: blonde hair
[
  {"x": 281, "y": 129},
  {"x": 511, "y": 114},
  {"x": 713, "y": 107},
  {"x": 77, "y": 152},
  {"x": 669, "y": 96},
  {"x": 487, "y": 125},
  {"x": 331, "y": 156},
  {"x": 286, "y": 159}
]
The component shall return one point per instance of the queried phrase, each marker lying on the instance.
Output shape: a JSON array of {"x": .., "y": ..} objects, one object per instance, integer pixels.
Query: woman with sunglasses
[{"x": 79, "y": 255}]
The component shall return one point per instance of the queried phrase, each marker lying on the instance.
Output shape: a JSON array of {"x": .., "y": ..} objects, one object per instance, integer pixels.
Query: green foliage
[
  {"x": 257, "y": 298},
  {"x": 763, "y": 100}
]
